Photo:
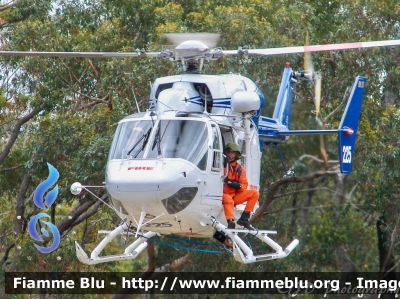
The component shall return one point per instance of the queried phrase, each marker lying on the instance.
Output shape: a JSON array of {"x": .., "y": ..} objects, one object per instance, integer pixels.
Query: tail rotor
[{"x": 315, "y": 76}]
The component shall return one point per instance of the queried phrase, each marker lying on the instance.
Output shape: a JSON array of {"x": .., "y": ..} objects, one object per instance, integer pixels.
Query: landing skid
[
  {"x": 243, "y": 254},
  {"x": 131, "y": 252}
]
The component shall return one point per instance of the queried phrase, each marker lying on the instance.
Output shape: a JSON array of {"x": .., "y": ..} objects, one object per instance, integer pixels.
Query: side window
[
  {"x": 162, "y": 87},
  {"x": 216, "y": 149}
]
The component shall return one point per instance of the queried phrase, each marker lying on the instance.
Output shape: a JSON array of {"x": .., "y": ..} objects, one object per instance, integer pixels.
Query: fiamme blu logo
[{"x": 43, "y": 202}]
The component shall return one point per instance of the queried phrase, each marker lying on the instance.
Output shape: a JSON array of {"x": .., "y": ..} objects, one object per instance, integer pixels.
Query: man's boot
[
  {"x": 244, "y": 221},
  {"x": 231, "y": 224}
]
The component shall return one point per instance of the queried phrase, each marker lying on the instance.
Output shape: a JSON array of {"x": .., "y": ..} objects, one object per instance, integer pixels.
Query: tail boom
[{"x": 272, "y": 131}]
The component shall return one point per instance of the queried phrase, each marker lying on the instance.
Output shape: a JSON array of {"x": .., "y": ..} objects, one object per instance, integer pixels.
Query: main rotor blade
[
  {"x": 317, "y": 48},
  {"x": 81, "y": 54},
  {"x": 264, "y": 52}
]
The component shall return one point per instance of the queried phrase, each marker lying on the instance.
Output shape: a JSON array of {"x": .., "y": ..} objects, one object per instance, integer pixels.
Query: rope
[
  {"x": 227, "y": 248},
  {"x": 192, "y": 242},
  {"x": 183, "y": 247},
  {"x": 252, "y": 238},
  {"x": 248, "y": 243}
]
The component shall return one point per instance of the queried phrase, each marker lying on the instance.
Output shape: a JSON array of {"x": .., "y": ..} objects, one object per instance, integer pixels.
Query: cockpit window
[
  {"x": 185, "y": 139},
  {"x": 132, "y": 139}
]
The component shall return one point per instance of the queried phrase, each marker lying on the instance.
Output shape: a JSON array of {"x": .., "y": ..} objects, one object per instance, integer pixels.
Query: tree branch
[
  {"x": 12, "y": 168},
  {"x": 7, "y": 252},
  {"x": 20, "y": 204},
  {"x": 5, "y": 7},
  {"x": 391, "y": 247},
  {"x": 73, "y": 216},
  {"x": 325, "y": 120},
  {"x": 106, "y": 99},
  {"x": 303, "y": 190},
  {"x": 317, "y": 160},
  {"x": 151, "y": 257},
  {"x": 270, "y": 198},
  {"x": 87, "y": 214},
  {"x": 299, "y": 209},
  {"x": 4, "y": 24},
  {"x": 15, "y": 132}
]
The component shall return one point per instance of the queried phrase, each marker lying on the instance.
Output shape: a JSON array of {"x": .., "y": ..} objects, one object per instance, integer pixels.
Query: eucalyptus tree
[{"x": 63, "y": 111}]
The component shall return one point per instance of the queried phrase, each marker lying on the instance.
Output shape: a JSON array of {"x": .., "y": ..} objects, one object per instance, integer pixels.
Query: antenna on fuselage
[
  {"x": 137, "y": 105},
  {"x": 134, "y": 95}
]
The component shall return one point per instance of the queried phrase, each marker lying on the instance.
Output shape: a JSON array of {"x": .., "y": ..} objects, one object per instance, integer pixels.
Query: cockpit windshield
[
  {"x": 185, "y": 139},
  {"x": 132, "y": 139}
]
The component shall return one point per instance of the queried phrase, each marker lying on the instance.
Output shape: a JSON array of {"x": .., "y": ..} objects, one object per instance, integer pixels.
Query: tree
[{"x": 64, "y": 111}]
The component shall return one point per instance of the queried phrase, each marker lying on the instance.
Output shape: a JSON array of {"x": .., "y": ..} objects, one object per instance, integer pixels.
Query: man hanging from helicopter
[{"x": 235, "y": 188}]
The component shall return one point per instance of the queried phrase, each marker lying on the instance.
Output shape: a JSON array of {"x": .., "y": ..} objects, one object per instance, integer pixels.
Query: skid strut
[
  {"x": 243, "y": 253},
  {"x": 131, "y": 252}
]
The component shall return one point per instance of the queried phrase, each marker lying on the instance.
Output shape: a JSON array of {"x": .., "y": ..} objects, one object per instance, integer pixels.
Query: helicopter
[{"x": 165, "y": 170}]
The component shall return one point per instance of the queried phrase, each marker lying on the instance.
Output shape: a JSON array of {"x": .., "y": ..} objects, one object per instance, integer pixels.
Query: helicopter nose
[
  {"x": 147, "y": 180},
  {"x": 135, "y": 176}
]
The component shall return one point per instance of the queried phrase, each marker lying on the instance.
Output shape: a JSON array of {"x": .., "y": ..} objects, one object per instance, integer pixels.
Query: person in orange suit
[{"x": 235, "y": 189}]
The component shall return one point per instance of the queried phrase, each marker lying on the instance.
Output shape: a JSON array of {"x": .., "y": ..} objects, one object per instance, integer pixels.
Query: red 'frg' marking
[{"x": 140, "y": 168}]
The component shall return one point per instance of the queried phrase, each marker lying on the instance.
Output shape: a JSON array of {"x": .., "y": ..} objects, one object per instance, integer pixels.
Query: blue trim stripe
[
  {"x": 222, "y": 103},
  {"x": 195, "y": 100},
  {"x": 217, "y": 103}
]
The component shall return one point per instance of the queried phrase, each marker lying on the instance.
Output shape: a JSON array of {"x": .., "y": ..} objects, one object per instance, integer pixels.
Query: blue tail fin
[
  {"x": 283, "y": 107},
  {"x": 349, "y": 125}
]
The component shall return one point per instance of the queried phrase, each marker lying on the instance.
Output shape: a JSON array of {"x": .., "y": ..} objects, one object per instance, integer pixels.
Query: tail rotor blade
[
  {"x": 316, "y": 76},
  {"x": 317, "y": 92},
  {"x": 308, "y": 64}
]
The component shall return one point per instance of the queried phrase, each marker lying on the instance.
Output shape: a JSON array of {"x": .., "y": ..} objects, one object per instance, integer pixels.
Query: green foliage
[{"x": 82, "y": 100}]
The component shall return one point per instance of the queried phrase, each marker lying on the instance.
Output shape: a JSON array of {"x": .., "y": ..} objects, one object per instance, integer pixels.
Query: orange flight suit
[{"x": 232, "y": 197}]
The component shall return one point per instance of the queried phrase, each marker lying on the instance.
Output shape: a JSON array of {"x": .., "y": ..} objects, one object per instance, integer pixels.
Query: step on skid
[{"x": 243, "y": 253}]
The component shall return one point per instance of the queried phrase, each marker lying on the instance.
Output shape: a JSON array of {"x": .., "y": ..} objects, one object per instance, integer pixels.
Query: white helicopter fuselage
[
  {"x": 168, "y": 163},
  {"x": 165, "y": 171}
]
